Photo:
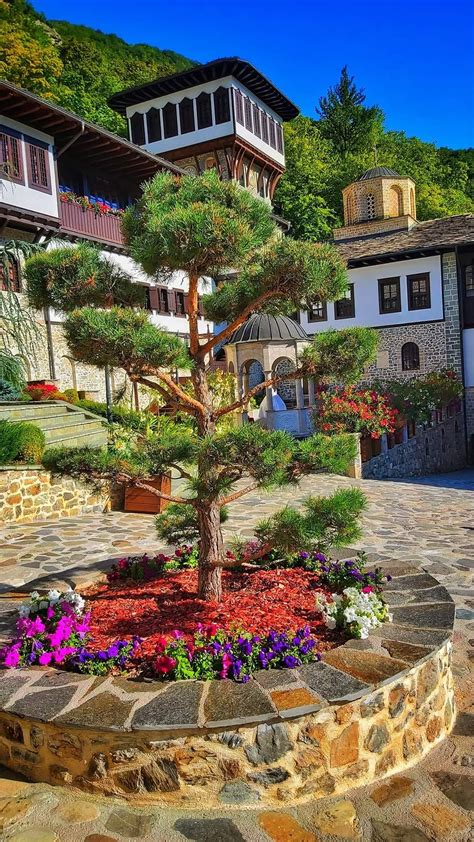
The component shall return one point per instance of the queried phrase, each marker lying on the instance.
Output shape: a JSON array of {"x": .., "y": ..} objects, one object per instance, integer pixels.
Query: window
[
  {"x": 204, "y": 112},
  {"x": 239, "y": 107},
  {"x": 153, "y": 123},
  {"x": 396, "y": 201},
  {"x": 248, "y": 114},
  {"x": 469, "y": 282},
  {"x": 163, "y": 300},
  {"x": 186, "y": 115},
  {"x": 345, "y": 307},
  {"x": 137, "y": 128},
  {"x": 318, "y": 312},
  {"x": 370, "y": 206},
  {"x": 419, "y": 297},
  {"x": 11, "y": 163},
  {"x": 264, "y": 127},
  {"x": 147, "y": 302},
  {"x": 412, "y": 203},
  {"x": 410, "y": 356},
  {"x": 271, "y": 132},
  {"x": 170, "y": 120},
  {"x": 256, "y": 121},
  {"x": 37, "y": 165},
  {"x": 10, "y": 276},
  {"x": 221, "y": 105},
  {"x": 389, "y": 295},
  {"x": 180, "y": 303},
  {"x": 279, "y": 137}
]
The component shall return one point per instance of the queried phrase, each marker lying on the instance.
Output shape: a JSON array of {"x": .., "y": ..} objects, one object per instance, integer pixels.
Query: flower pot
[{"x": 141, "y": 501}]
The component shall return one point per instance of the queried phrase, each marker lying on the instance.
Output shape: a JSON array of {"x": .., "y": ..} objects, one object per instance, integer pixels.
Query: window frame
[
  {"x": 239, "y": 107},
  {"x": 13, "y": 139},
  {"x": 222, "y": 112},
  {"x": 417, "y": 277},
  {"x": 163, "y": 300},
  {"x": 13, "y": 268},
  {"x": 168, "y": 110},
  {"x": 180, "y": 303},
  {"x": 417, "y": 356},
  {"x": 248, "y": 117},
  {"x": 324, "y": 313},
  {"x": 204, "y": 110},
  {"x": 153, "y": 113},
  {"x": 186, "y": 113},
  {"x": 31, "y": 143},
  {"x": 136, "y": 116},
  {"x": 384, "y": 282},
  {"x": 351, "y": 299}
]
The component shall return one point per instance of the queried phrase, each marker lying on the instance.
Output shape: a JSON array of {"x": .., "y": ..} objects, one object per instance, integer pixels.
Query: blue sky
[{"x": 413, "y": 57}]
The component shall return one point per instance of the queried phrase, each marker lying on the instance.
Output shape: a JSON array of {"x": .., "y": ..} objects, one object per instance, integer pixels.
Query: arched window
[
  {"x": 410, "y": 356},
  {"x": 137, "y": 128},
  {"x": 412, "y": 203},
  {"x": 221, "y": 105},
  {"x": 186, "y": 115},
  {"x": 10, "y": 278},
  {"x": 170, "y": 120},
  {"x": 396, "y": 201},
  {"x": 370, "y": 206},
  {"x": 204, "y": 112},
  {"x": 153, "y": 125}
]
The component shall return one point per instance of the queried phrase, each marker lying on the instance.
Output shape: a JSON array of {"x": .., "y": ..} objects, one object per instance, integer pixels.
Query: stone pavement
[{"x": 428, "y": 522}]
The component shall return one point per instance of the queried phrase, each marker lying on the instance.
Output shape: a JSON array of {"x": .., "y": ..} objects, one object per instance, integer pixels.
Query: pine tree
[
  {"x": 202, "y": 226},
  {"x": 344, "y": 120}
]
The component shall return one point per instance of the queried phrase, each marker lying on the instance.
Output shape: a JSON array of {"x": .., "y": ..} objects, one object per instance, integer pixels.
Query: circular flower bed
[{"x": 149, "y": 620}]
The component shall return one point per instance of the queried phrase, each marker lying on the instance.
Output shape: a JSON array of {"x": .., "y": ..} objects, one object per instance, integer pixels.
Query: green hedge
[
  {"x": 118, "y": 414},
  {"x": 20, "y": 442}
]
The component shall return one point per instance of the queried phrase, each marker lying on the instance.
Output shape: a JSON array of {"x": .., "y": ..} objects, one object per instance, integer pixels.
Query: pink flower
[
  {"x": 12, "y": 657},
  {"x": 176, "y": 634},
  {"x": 162, "y": 643},
  {"x": 45, "y": 658},
  {"x": 367, "y": 589}
]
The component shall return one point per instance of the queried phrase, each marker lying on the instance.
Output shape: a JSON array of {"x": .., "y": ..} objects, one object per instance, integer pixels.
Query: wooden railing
[{"x": 102, "y": 227}]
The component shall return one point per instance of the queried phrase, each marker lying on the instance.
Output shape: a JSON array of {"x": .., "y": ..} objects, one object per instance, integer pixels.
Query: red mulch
[{"x": 257, "y": 602}]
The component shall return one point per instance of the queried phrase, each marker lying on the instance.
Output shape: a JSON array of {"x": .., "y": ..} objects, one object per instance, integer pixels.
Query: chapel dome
[
  {"x": 264, "y": 328},
  {"x": 378, "y": 172}
]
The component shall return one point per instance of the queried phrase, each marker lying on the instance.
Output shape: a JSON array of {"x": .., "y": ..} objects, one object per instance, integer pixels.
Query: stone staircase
[{"x": 63, "y": 424}]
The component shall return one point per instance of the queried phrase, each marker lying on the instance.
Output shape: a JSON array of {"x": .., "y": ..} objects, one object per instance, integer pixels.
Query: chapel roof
[
  {"x": 379, "y": 172},
  {"x": 264, "y": 328}
]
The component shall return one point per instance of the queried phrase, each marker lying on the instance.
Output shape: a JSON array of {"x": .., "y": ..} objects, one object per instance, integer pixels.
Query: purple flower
[
  {"x": 389, "y": 578},
  {"x": 290, "y": 661}
]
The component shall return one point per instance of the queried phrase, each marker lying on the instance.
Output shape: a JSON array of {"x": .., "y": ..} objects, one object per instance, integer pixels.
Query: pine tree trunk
[
  {"x": 211, "y": 552},
  {"x": 211, "y": 544}
]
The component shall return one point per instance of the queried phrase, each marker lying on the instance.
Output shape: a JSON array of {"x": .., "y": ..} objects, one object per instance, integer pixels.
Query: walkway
[{"x": 429, "y": 522}]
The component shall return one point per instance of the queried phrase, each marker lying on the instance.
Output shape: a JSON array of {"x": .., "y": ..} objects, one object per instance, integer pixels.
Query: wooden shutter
[
  {"x": 171, "y": 301},
  {"x": 154, "y": 300},
  {"x": 11, "y": 161},
  {"x": 37, "y": 165}
]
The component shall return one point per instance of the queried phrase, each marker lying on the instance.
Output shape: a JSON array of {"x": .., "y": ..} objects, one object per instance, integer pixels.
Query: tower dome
[
  {"x": 264, "y": 328},
  {"x": 379, "y": 172},
  {"x": 378, "y": 201}
]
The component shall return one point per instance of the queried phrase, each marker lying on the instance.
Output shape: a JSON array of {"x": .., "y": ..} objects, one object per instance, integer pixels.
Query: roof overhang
[
  {"x": 241, "y": 70},
  {"x": 95, "y": 146}
]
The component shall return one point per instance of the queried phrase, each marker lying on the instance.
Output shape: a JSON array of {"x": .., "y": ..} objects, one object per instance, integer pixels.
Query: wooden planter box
[{"x": 141, "y": 501}]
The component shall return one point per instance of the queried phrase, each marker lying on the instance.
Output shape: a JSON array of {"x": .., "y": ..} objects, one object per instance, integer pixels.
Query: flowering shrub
[
  {"x": 339, "y": 575},
  {"x": 354, "y": 611},
  {"x": 355, "y": 411},
  {"x": 100, "y": 208},
  {"x": 417, "y": 397},
  {"x": 53, "y": 630},
  {"x": 215, "y": 653},
  {"x": 143, "y": 568},
  {"x": 41, "y": 391}
]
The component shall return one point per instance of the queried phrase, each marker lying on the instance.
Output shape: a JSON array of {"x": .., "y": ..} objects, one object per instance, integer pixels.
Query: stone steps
[{"x": 63, "y": 424}]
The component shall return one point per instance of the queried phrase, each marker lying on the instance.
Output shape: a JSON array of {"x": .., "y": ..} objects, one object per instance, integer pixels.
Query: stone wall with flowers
[{"x": 31, "y": 493}]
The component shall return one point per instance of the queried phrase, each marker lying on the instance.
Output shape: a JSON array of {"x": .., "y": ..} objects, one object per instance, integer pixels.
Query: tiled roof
[
  {"x": 378, "y": 172},
  {"x": 425, "y": 236}
]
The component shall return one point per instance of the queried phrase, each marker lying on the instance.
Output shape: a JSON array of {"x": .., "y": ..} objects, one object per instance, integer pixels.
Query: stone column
[
  {"x": 299, "y": 394},
  {"x": 268, "y": 392},
  {"x": 384, "y": 444},
  {"x": 311, "y": 392}
]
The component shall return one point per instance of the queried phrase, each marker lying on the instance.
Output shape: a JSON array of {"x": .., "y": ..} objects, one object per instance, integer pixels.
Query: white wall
[
  {"x": 22, "y": 196},
  {"x": 366, "y": 294},
  {"x": 468, "y": 350}
]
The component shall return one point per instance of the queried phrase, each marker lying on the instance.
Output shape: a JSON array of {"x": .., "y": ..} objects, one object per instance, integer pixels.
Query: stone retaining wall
[
  {"x": 28, "y": 494},
  {"x": 368, "y": 709}
]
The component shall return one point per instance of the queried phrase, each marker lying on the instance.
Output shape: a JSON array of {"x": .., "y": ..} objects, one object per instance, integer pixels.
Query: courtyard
[{"x": 427, "y": 522}]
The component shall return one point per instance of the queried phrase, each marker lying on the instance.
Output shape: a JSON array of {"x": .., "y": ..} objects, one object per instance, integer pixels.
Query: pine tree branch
[
  {"x": 193, "y": 315},
  {"x": 228, "y": 331},
  {"x": 235, "y": 496},
  {"x": 187, "y": 400}
]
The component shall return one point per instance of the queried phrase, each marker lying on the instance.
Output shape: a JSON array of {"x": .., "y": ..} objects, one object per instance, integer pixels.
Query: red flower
[{"x": 164, "y": 664}]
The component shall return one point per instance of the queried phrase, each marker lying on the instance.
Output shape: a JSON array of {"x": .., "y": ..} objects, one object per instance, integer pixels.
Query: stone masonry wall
[
  {"x": 431, "y": 340},
  {"x": 28, "y": 494},
  {"x": 432, "y": 450},
  {"x": 307, "y": 757}
]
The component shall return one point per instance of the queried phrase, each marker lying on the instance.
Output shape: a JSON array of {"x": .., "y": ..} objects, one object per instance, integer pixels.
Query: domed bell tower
[{"x": 379, "y": 201}]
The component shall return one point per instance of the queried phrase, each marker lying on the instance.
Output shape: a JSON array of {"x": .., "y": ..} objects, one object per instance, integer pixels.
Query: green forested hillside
[{"x": 79, "y": 68}]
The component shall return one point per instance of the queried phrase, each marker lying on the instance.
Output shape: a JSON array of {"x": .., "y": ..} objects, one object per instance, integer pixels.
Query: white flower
[
  {"x": 24, "y": 609},
  {"x": 54, "y": 596},
  {"x": 43, "y": 604},
  {"x": 330, "y": 623},
  {"x": 34, "y": 595}
]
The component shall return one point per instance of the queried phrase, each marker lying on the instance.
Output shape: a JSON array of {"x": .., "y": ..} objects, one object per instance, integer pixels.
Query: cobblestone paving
[{"x": 429, "y": 522}]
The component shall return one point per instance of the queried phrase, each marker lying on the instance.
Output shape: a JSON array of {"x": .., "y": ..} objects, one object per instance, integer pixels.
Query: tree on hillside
[
  {"x": 344, "y": 120},
  {"x": 203, "y": 226}
]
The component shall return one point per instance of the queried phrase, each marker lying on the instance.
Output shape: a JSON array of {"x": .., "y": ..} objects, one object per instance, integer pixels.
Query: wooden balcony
[{"x": 104, "y": 228}]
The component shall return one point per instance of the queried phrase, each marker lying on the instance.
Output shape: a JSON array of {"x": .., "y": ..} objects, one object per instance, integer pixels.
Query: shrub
[
  {"x": 8, "y": 392},
  {"x": 11, "y": 371},
  {"x": 355, "y": 411},
  {"x": 71, "y": 395},
  {"x": 20, "y": 442},
  {"x": 41, "y": 391},
  {"x": 418, "y": 397}
]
